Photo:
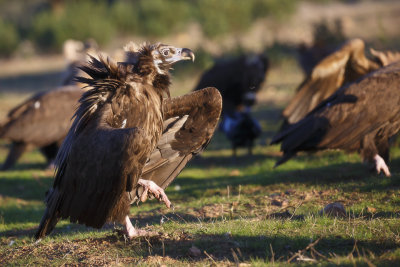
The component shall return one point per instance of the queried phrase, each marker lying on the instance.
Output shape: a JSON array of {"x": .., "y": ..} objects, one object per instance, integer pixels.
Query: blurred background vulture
[
  {"x": 362, "y": 117},
  {"x": 238, "y": 79},
  {"x": 44, "y": 119},
  {"x": 129, "y": 140},
  {"x": 343, "y": 66}
]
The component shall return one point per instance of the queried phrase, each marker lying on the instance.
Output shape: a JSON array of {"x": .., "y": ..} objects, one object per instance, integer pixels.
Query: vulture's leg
[
  {"x": 16, "y": 150},
  {"x": 250, "y": 148},
  {"x": 50, "y": 152},
  {"x": 380, "y": 165},
  {"x": 133, "y": 232},
  {"x": 151, "y": 187},
  {"x": 370, "y": 153},
  {"x": 234, "y": 151}
]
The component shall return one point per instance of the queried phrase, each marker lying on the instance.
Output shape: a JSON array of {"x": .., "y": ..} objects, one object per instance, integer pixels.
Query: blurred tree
[
  {"x": 79, "y": 20},
  {"x": 9, "y": 38}
]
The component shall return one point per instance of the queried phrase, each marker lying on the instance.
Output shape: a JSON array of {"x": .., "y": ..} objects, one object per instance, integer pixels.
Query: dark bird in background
[
  {"x": 129, "y": 140},
  {"x": 43, "y": 120},
  {"x": 344, "y": 66},
  {"x": 241, "y": 129},
  {"x": 238, "y": 79},
  {"x": 361, "y": 116}
]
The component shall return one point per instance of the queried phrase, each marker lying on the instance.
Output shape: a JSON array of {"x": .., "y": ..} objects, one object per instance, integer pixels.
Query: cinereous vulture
[
  {"x": 129, "y": 140},
  {"x": 343, "y": 66},
  {"x": 41, "y": 121},
  {"x": 362, "y": 117},
  {"x": 238, "y": 79}
]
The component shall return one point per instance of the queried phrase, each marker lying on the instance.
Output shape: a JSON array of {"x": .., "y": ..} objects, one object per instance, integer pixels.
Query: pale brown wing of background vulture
[
  {"x": 41, "y": 121},
  {"x": 341, "y": 67},
  {"x": 190, "y": 123},
  {"x": 361, "y": 116}
]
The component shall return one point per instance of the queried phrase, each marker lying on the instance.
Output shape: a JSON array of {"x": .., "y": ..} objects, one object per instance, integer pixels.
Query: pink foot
[
  {"x": 380, "y": 165},
  {"x": 132, "y": 232},
  {"x": 152, "y": 188}
]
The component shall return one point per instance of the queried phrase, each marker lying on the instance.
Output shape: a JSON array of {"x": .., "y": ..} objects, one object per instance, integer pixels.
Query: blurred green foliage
[
  {"x": 51, "y": 22},
  {"x": 79, "y": 20},
  {"x": 9, "y": 38}
]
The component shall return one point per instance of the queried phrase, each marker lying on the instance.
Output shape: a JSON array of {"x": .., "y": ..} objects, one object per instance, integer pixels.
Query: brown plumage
[
  {"x": 44, "y": 119},
  {"x": 359, "y": 117},
  {"x": 344, "y": 66},
  {"x": 118, "y": 130},
  {"x": 189, "y": 123},
  {"x": 41, "y": 121}
]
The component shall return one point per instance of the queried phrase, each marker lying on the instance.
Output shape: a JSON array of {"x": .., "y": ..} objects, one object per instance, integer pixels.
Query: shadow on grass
[
  {"x": 26, "y": 189},
  {"x": 25, "y": 166},
  {"x": 348, "y": 177},
  {"x": 235, "y": 248}
]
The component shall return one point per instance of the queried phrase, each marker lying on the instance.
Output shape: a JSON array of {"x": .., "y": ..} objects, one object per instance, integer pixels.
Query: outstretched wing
[
  {"x": 44, "y": 118},
  {"x": 343, "y": 66},
  {"x": 190, "y": 122}
]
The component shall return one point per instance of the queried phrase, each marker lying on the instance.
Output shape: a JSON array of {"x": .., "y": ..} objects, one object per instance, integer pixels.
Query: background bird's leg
[
  {"x": 380, "y": 165},
  {"x": 50, "y": 152},
  {"x": 370, "y": 153},
  {"x": 152, "y": 188},
  {"x": 250, "y": 148},
  {"x": 17, "y": 149}
]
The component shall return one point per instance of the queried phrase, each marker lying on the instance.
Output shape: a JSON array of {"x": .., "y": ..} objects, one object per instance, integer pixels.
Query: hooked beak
[{"x": 187, "y": 54}]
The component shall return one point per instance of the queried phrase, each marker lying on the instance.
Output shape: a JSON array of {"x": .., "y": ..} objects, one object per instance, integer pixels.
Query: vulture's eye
[{"x": 165, "y": 52}]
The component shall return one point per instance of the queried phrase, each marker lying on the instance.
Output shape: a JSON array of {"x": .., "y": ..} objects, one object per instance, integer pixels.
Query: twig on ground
[
  {"x": 300, "y": 252},
  {"x": 208, "y": 255}
]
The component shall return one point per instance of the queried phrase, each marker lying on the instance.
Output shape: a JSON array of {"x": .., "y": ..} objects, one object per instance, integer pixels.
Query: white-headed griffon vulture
[
  {"x": 361, "y": 116},
  {"x": 129, "y": 140},
  {"x": 345, "y": 65},
  {"x": 238, "y": 79}
]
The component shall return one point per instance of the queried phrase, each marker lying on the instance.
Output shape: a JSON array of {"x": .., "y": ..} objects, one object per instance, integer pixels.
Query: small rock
[
  {"x": 234, "y": 172},
  {"x": 290, "y": 191},
  {"x": 275, "y": 202},
  {"x": 194, "y": 251},
  {"x": 371, "y": 209},
  {"x": 177, "y": 187},
  {"x": 280, "y": 203},
  {"x": 228, "y": 235},
  {"x": 275, "y": 195},
  {"x": 334, "y": 210}
]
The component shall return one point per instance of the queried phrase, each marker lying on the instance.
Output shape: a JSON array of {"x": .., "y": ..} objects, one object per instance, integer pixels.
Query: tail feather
[
  {"x": 286, "y": 156},
  {"x": 305, "y": 135},
  {"x": 50, "y": 216}
]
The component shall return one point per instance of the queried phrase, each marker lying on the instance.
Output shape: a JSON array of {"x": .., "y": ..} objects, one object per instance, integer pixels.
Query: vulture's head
[{"x": 160, "y": 56}]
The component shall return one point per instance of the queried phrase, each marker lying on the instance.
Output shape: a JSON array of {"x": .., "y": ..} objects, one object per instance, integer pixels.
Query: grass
[{"x": 234, "y": 211}]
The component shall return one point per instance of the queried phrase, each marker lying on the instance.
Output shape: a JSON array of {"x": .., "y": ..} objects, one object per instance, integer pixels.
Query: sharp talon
[
  {"x": 152, "y": 188},
  {"x": 144, "y": 195}
]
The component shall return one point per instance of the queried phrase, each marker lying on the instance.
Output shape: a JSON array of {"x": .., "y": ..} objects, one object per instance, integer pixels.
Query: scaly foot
[
  {"x": 132, "y": 232},
  {"x": 152, "y": 188}
]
